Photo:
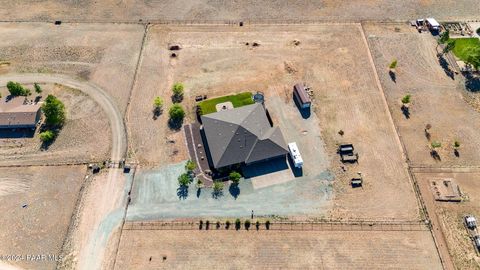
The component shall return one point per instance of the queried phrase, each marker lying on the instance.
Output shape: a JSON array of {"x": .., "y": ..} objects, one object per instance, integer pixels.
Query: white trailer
[
  {"x": 295, "y": 154},
  {"x": 433, "y": 24}
]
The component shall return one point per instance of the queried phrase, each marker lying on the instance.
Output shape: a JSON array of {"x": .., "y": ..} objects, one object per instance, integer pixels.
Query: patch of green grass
[
  {"x": 462, "y": 45},
  {"x": 238, "y": 100}
]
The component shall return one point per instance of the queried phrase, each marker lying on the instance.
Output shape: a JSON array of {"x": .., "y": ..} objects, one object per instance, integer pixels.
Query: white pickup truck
[{"x": 295, "y": 154}]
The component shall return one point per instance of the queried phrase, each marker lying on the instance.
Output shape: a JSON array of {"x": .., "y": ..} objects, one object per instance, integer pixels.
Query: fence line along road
[{"x": 281, "y": 226}]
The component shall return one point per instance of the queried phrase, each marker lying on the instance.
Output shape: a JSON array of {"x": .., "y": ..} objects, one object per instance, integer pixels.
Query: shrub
[
  {"x": 176, "y": 113},
  {"x": 190, "y": 166},
  {"x": 158, "y": 102},
  {"x": 238, "y": 223},
  {"x": 235, "y": 177},
  {"x": 406, "y": 99},
  {"x": 37, "y": 87},
  {"x": 436, "y": 144},
  {"x": 177, "y": 90},
  {"x": 456, "y": 144},
  {"x": 54, "y": 111},
  {"x": 16, "y": 89},
  {"x": 267, "y": 224},
  {"x": 393, "y": 64},
  {"x": 47, "y": 136},
  {"x": 247, "y": 224},
  {"x": 217, "y": 187},
  {"x": 184, "y": 179}
]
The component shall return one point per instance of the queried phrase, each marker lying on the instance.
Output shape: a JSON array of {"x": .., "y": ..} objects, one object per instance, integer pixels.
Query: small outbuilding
[{"x": 302, "y": 96}]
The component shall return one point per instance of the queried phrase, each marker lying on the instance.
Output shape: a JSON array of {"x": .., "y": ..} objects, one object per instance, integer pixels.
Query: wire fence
[{"x": 280, "y": 226}]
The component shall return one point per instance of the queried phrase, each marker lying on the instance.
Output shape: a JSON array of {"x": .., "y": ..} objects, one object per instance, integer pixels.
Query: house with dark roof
[
  {"x": 241, "y": 136},
  {"x": 18, "y": 112}
]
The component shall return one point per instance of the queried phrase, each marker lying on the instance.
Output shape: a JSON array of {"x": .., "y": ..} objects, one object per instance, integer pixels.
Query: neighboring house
[
  {"x": 242, "y": 136},
  {"x": 18, "y": 112}
]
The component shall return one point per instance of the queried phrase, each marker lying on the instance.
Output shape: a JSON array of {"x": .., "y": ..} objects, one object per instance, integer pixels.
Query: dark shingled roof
[{"x": 242, "y": 135}]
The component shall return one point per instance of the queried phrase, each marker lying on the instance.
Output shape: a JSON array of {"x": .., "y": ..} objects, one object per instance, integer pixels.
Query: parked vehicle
[{"x": 295, "y": 154}]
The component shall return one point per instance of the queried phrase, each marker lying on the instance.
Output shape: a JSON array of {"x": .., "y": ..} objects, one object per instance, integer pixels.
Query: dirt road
[{"x": 119, "y": 138}]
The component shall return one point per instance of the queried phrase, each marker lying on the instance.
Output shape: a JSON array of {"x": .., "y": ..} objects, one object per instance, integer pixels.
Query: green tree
[
  {"x": 217, "y": 186},
  {"x": 190, "y": 166},
  {"x": 473, "y": 57},
  {"x": 456, "y": 144},
  {"x": 238, "y": 223},
  {"x": 16, "y": 89},
  {"x": 393, "y": 64},
  {"x": 176, "y": 113},
  {"x": 406, "y": 99},
  {"x": 38, "y": 89},
  {"x": 158, "y": 102},
  {"x": 444, "y": 37},
  {"x": 47, "y": 136},
  {"x": 247, "y": 224},
  {"x": 184, "y": 179},
  {"x": 178, "y": 89},
  {"x": 54, "y": 111},
  {"x": 435, "y": 145},
  {"x": 448, "y": 47},
  {"x": 235, "y": 177}
]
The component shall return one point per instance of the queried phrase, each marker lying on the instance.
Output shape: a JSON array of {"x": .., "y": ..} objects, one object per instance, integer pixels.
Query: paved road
[{"x": 119, "y": 137}]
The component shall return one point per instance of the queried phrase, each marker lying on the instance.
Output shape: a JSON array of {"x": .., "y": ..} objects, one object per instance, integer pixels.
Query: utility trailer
[{"x": 347, "y": 153}]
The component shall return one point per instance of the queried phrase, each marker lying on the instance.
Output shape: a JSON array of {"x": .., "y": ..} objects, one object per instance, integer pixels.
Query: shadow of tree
[
  {"x": 177, "y": 98},
  {"x": 446, "y": 67},
  {"x": 405, "y": 111},
  {"x": 234, "y": 190},
  {"x": 472, "y": 82},
  {"x": 435, "y": 155},
  {"x": 156, "y": 113},
  {"x": 393, "y": 76},
  {"x": 182, "y": 192},
  {"x": 175, "y": 124},
  {"x": 217, "y": 194}
]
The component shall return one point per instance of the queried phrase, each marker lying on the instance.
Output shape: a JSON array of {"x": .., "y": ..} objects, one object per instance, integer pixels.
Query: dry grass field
[
  {"x": 436, "y": 98},
  {"x": 451, "y": 217},
  {"x": 216, "y": 60},
  {"x": 49, "y": 195},
  {"x": 276, "y": 249},
  {"x": 105, "y": 54},
  {"x": 85, "y": 120},
  {"x": 134, "y": 10}
]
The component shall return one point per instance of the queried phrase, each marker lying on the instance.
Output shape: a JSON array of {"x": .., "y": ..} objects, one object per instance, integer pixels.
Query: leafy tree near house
[
  {"x": 473, "y": 57},
  {"x": 190, "y": 166},
  {"x": 235, "y": 177},
  {"x": 184, "y": 179},
  {"x": 406, "y": 99},
  {"x": 158, "y": 102},
  {"x": 47, "y": 136},
  {"x": 176, "y": 113},
  {"x": 16, "y": 89},
  {"x": 54, "y": 111}
]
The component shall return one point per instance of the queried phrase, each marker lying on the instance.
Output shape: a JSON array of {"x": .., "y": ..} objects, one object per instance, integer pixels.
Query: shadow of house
[
  {"x": 265, "y": 167},
  {"x": 472, "y": 82}
]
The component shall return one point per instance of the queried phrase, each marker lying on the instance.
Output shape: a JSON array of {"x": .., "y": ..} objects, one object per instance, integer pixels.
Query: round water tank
[{"x": 259, "y": 97}]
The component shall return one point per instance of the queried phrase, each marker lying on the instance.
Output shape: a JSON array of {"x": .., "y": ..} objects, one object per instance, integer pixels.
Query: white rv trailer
[
  {"x": 433, "y": 24},
  {"x": 295, "y": 154}
]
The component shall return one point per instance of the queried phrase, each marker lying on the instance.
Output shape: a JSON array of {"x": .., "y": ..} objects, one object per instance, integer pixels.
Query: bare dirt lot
[
  {"x": 216, "y": 60},
  {"x": 274, "y": 249},
  {"x": 436, "y": 98},
  {"x": 105, "y": 54},
  {"x": 85, "y": 120},
  {"x": 451, "y": 216},
  {"x": 37, "y": 204},
  {"x": 109, "y": 10}
]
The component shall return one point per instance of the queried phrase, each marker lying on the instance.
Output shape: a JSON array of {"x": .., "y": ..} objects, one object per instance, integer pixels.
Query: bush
[
  {"x": 217, "y": 187},
  {"x": 37, "y": 87},
  {"x": 238, "y": 223},
  {"x": 54, "y": 111},
  {"x": 176, "y": 113},
  {"x": 47, "y": 136},
  {"x": 456, "y": 144},
  {"x": 436, "y": 144},
  {"x": 393, "y": 64},
  {"x": 184, "y": 179},
  {"x": 177, "y": 90},
  {"x": 158, "y": 102},
  {"x": 247, "y": 224},
  {"x": 190, "y": 166},
  {"x": 16, "y": 89},
  {"x": 267, "y": 225},
  {"x": 406, "y": 99},
  {"x": 227, "y": 224},
  {"x": 235, "y": 177}
]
